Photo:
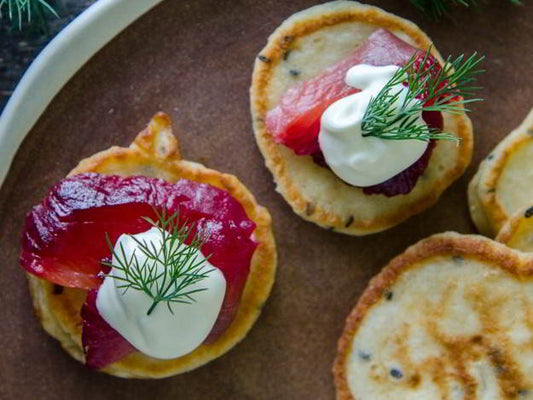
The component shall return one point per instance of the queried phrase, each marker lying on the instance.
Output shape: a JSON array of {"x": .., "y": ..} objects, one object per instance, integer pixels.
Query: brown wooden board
[{"x": 193, "y": 60}]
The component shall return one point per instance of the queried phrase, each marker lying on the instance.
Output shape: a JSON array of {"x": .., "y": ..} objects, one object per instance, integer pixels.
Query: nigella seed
[
  {"x": 286, "y": 54},
  {"x": 58, "y": 289},
  {"x": 491, "y": 190},
  {"x": 523, "y": 392},
  {"x": 294, "y": 72},
  {"x": 458, "y": 259},
  {"x": 529, "y": 212},
  {"x": 396, "y": 373},
  {"x": 490, "y": 157},
  {"x": 389, "y": 295},
  {"x": 264, "y": 59},
  {"x": 309, "y": 209},
  {"x": 363, "y": 355},
  {"x": 349, "y": 221}
]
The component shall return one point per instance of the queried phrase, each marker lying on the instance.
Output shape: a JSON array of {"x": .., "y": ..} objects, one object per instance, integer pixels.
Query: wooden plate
[{"x": 193, "y": 60}]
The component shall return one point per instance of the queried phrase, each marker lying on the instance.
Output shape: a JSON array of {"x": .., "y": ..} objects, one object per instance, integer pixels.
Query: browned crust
[
  {"x": 156, "y": 151},
  {"x": 477, "y": 212},
  {"x": 483, "y": 187},
  {"x": 450, "y": 243},
  {"x": 493, "y": 209},
  {"x": 513, "y": 226},
  {"x": 510, "y": 227},
  {"x": 289, "y": 189}
]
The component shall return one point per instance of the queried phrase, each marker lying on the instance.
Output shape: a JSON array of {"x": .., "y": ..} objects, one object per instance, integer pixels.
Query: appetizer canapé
[
  {"x": 359, "y": 119},
  {"x": 146, "y": 265}
]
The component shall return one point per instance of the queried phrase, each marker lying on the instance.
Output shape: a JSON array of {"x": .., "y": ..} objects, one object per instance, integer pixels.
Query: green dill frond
[
  {"x": 182, "y": 267},
  {"x": 444, "y": 90}
]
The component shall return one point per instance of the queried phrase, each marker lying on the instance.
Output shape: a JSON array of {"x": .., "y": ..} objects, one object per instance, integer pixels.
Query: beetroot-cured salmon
[{"x": 64, "y": 240}]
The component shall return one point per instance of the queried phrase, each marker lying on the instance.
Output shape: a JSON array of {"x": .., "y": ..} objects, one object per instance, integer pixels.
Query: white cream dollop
[
  {"x": 358, "y": 160},
  {"x": 161, "y": 334}
]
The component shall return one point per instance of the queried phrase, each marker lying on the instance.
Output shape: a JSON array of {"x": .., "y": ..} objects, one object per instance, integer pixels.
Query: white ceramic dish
[{"x": 57, "y": 63}]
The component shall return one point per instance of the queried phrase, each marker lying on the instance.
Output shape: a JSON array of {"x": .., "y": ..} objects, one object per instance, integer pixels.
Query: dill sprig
[
  {"x": 436, "y": 9},
  {"x": 389, "y": 116},
  {"x": 182, "y": 267},
  {"x": 35, "y": 12}
]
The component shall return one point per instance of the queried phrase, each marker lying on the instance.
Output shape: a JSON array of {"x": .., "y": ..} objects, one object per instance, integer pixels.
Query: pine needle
[
  {"x": 436, "y": 9},
  {"x": 33, "y": 12}
]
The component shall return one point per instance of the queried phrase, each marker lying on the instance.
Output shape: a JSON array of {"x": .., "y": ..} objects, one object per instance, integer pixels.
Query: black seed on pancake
[
  {"x": 263, "y": 58},
  {"x": 294, "y": 72},
  {"x": 389, "y": 295},
  {"x": 529, "y": 212},
  {"x": 363, "y": 355},
  {"x": 396, "y": 373},
  {"x": 286, "y": 54},
  {"x": 458, "y": 259},
  {"x": 309, "y": 209},
  {"x": 491, "y": 190},
  {"x": 349, "y": 221},
  {"x": 523, "y": 392},
  {"x": 58, "y": 289},
  {"x": 490, "y": 157}
]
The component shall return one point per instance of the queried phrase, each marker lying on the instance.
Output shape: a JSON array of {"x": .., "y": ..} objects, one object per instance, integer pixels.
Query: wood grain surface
[{"x": 193, "y": 60}]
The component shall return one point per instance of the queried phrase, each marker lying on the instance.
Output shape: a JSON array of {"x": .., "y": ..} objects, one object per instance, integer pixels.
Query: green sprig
[
  {"x": 436, "y": 9},
  {"x": 182, "y": 267},
  {"x": 444, "y": 90},
  {"x": 33, "y": 11}
]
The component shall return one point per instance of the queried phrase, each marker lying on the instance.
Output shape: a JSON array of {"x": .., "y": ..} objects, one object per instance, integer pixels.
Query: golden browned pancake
[
  {"x": 451, "y": 318},
  {"x": 309, "y": 42},
  {"x": 155, "y": 153},
  {"x": 517, "y": 232},
  {"x": 503, "y": 182}
]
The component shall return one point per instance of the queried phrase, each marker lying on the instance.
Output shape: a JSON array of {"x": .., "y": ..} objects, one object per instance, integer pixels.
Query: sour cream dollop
[
  {"x": 358, "y": 160},
  {"x": 161, "y": 334}
]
